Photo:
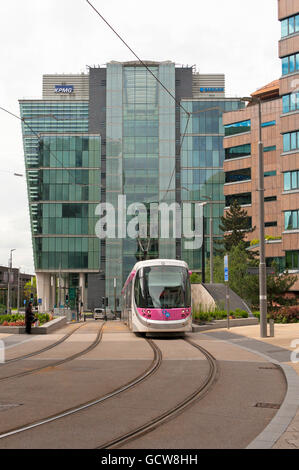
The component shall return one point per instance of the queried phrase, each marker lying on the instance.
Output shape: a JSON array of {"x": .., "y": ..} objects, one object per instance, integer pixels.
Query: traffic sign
[{"x": 226, "y": 268}]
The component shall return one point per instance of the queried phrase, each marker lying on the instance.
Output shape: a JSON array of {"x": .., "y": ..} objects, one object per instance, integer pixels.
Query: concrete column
[
  {"x": 83, "y": 290},
  {"x": 53, "y": 290},
  {"x": 43, "y": 282}
]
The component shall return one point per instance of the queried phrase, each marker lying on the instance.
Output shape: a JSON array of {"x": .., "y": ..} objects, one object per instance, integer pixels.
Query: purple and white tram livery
[{"x": 157, "y": 297}]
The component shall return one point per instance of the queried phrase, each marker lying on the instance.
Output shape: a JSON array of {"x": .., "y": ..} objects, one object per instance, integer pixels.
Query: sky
[{"x": 237, "y": 38}]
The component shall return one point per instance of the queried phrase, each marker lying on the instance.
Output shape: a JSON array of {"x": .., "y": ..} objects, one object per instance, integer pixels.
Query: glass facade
[
  {"x": 140, "y": 154},
  {"x": 238, "y": 151},
  {"x": 292, "y": 259},
  {"x": 291, "y": 180},
  {"x": 290, "y": 141},
  {"x": 237, "y": 128},
  {"x": 290, "y": 64},
  {"x": 290, "y": 102},
  {"x": 238, "y": 175},
  {"x": 291, "y": 221},
  {"x": 269, "y": 148},
  {"x": 202, "y": 157},
  {"x": 63, "y": 165},
  {"x": 289, "y": 26},
  {"x": 268, "y": 124},
  {"x": 242, "y": 198}
]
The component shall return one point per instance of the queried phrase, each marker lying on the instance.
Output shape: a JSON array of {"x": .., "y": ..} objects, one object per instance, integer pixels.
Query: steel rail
[
  {"x": 198, "y": 394},
  {"x": 153, "y": 367},
  {"x": 46, "y": 348},
  {"x": 61, "y": 361}
]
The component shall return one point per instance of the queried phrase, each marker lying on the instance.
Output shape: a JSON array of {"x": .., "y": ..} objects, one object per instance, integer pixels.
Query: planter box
[
  {"x": 223, "y": 324},
  {"x": 39, "y": 330}
]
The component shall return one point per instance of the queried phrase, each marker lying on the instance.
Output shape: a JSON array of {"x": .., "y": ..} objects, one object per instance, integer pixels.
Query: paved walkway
[{"x": 282, "y": 349}]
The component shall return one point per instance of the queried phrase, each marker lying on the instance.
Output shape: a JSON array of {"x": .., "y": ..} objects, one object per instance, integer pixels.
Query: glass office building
[
  {"x": 140, "y": 154},
  {"x": 202, "y": 158},
  {"x": 63, "y": 166},
  {"x": 117, "y": 131}
]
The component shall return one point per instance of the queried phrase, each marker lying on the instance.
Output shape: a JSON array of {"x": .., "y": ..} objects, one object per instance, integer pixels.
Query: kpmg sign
[
  {"x": 211, "y": 90},
  {"x": 64, "y": 88}
]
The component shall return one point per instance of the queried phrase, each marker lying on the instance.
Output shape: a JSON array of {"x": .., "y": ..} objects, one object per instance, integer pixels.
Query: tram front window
[{"x": 162, "y": 287}]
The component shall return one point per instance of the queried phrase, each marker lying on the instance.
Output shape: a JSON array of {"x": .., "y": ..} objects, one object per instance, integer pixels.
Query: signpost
[{"x": 226, "y": 287}]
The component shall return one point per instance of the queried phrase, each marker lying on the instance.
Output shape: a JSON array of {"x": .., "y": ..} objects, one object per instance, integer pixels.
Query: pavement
[
  {"x": 283, "y": 350},
  {"x": 226, "y": 412}
]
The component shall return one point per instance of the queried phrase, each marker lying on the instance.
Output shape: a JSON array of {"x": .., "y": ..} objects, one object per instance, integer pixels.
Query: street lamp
[
  {"x": 211, "y": 239},
  {"x": 261, "y": 189},
  {"x": 8, "y": 280}
]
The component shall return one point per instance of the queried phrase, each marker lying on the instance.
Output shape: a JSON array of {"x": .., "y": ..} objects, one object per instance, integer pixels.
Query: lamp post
[
  {"x": 8, "y": 280},
  {"x": 211, "y": 239},
  {"x": 261, "y": 190}
]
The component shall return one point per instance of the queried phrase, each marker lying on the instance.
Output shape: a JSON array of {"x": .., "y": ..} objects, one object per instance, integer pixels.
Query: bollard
[{"x": 271, "y": 327}]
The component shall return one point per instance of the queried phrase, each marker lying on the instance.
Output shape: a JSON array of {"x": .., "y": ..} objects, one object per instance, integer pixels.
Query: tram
[{"x": 156, "y": 297}]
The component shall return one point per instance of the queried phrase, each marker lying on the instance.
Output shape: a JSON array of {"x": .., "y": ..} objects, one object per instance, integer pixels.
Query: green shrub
[
  {"x": 288, "y": 314},
  {"x": 240, "y": 313}
]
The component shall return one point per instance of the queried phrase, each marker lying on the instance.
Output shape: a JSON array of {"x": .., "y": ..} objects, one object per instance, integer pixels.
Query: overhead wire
[{"x": 188, "y": 113}]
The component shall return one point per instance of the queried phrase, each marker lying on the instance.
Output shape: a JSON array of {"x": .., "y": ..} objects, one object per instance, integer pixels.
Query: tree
[
  {"x": 277, "y": 286},
  {"x": 195, "y": 278},
  {"x": 245, "y": 285},
  {"x": 28, "y": 289},
  {"x": 235, "y": 225}
]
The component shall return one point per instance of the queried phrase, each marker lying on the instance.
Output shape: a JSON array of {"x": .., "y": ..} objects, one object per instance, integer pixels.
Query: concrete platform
[{"x": 223, "y": 324}]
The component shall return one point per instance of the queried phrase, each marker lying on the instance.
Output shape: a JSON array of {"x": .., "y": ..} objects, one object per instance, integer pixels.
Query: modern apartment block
[
  {"x": 288, "y": 15},
  {"x": 280, "y": 137},
  {"x": 116, "y": 131}
]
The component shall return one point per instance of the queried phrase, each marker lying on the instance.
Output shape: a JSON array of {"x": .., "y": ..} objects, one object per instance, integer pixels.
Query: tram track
[
  {"x": 152, "y": 369},
  {"x": 148, "y": 427},
  {"x": 198, "y": 394},
  {"x": 61, "y": 361},
  {"x": 39, "y": 351}
]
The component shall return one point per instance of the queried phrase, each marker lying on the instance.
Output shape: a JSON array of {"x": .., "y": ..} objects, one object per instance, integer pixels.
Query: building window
[
  {"x": 278, "y": 260},
  {"x": 292, "y": 259},
  {"x": 270, "y": 148},
  {"x": 238, "y": 175},
  {"x": 238, "y": 151},
  {"x": 270, "y": 198},
  {"x": 291, "y": 220},
  {"x": 291, "y": 180},
  {"x": 290, "y": 64},
  {"x": 290, "y": 102},
  {"x": 269, "y": 173},
  {"x": 268, "y": 124},
  {"x": 271, "y": 224},
  {"x": 291, "y": 141},
  {"x": 237, "y": 128},
  {"x": 289, "y": 26},
  {"x": 243, "y": 198}
]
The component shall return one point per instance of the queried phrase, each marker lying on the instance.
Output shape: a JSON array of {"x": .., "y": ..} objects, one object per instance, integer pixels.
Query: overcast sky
[{"x": 234, "y": 37}]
